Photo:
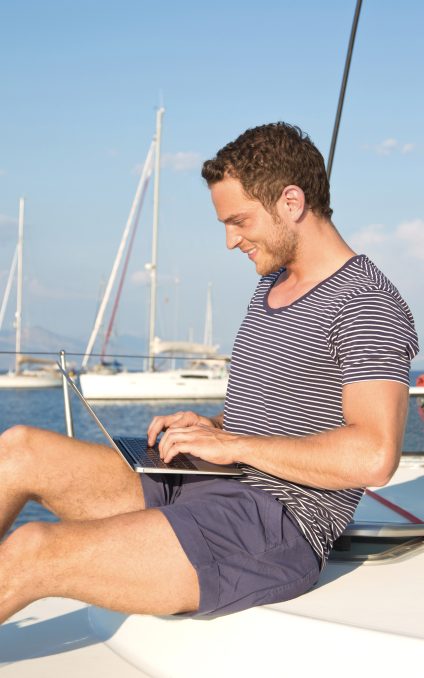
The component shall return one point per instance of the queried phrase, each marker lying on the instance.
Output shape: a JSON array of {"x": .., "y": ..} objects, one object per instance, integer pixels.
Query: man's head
[
  {"x": 263, "y": 185},
  {"x": 268, "y": 158}
]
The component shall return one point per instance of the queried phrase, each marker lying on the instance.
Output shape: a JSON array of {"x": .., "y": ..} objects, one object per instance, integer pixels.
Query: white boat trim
[{"x": 416, "y": 391}]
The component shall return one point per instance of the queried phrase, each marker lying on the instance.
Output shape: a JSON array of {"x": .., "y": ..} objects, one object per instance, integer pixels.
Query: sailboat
[
  {"x": 46, "y": 376},
  {"x": 206, "y": 375}
]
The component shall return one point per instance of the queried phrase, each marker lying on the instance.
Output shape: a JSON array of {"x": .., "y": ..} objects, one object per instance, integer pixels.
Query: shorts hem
[{"x": 198, "y": 553}]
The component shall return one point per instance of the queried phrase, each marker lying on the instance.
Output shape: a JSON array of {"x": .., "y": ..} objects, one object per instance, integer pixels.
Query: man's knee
[
  {"x": 28, "y": 540},
  {"x": 17, "y": 449},
  {"x": 17, "y": 437},
  {"x": 22, "y": 442},
  {"x": 27, "y": 552},
  {"x": 14, "y": 446}
]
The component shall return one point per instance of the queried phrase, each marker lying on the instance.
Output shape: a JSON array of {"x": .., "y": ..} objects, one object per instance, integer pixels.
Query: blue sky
[{"x": 80, "y": 84}]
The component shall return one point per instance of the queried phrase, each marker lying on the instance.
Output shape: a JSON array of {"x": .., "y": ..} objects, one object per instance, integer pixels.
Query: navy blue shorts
[{"x": 243, "y": 544}]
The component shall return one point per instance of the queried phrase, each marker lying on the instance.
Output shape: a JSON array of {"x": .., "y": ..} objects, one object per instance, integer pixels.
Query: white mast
[
  {"x": 8, "y": 286},
  {"x": 18, "y": 315},
  {"x": 153, "y": 263},
  {"x": 147, "y": 170},
  {"x": 208, "y": 334}
]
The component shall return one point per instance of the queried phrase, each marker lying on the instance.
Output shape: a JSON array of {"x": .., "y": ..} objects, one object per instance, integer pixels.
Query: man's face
[{"x": 250, "y": 228}]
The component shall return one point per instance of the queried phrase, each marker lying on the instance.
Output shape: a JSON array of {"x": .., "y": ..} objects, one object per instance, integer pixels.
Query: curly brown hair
[{"x": 268, "y": 158}]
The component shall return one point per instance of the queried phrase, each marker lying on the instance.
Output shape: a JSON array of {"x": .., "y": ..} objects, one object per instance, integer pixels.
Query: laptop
[{"x": 144, "y": 459}]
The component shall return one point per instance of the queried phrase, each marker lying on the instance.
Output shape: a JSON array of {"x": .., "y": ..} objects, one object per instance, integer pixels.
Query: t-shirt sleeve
[{"x": 373, "y": 337}]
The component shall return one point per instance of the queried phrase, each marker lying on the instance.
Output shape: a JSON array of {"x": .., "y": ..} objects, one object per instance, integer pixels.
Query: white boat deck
[
  {"x": 358, "y": 614},
  {"x": 52, "y": 638}
]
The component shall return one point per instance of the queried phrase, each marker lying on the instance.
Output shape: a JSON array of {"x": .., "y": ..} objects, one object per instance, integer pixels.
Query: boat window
[
  {"x": 194, "y": 376},
  {"x": 378, "y": 542}
]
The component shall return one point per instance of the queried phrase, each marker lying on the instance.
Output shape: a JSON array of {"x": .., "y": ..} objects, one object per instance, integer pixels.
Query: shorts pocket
[{"x": 274, "y": 522}]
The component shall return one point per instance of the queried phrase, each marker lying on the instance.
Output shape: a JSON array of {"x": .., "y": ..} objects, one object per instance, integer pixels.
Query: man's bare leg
[
  {"x": 74, "y": 479},
  {"x": 132, "y": 563}
]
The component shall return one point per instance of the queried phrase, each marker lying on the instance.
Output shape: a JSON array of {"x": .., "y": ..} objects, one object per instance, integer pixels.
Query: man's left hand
[{"x": 205, "y": 442}]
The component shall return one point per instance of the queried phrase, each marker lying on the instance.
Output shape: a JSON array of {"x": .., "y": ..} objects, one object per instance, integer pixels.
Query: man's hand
[
  {"x": 201, "y": 440},
  {"x": 181, "y": 420}
]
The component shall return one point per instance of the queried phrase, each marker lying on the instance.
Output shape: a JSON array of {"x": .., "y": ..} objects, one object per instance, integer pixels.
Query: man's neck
[{"x": 321, "y": 252}]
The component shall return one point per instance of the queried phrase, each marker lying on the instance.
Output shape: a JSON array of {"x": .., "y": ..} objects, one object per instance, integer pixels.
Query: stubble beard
[{"x": 281, "y": 251}]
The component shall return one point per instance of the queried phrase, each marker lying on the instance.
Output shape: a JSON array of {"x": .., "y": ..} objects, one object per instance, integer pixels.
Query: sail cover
[{"x": 183, "y": 347}]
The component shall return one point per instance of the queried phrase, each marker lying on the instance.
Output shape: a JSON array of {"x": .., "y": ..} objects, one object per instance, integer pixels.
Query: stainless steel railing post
[{"x": 66, "y": 400}]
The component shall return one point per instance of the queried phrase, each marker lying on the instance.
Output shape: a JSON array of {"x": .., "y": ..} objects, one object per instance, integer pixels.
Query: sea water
[{"x": 45, "y": 409}]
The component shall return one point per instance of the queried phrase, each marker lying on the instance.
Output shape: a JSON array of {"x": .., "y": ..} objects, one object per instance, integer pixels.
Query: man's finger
[
  {"x": 155, "y": 427},
  {"x": 175, "y": 436},
  {"x": 159, "y": 424},
  {"x": 164, "y": 422},
  {"x": 177, "y": 448}
]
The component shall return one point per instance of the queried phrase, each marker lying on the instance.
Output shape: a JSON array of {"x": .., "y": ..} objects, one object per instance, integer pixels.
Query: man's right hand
[{"x": 179, "y": 419}]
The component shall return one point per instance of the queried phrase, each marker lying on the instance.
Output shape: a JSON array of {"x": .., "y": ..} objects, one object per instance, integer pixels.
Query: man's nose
[{"x": 233, "y": 239}]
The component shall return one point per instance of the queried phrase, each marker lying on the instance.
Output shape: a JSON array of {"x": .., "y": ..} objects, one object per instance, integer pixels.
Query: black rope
[{"x": 113, "y": 355}]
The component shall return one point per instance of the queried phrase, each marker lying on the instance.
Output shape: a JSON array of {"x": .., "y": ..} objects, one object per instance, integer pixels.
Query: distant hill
[{"x": 39, "y": 340}]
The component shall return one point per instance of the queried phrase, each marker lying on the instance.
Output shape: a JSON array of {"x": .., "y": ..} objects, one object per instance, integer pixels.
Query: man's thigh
[
  {"x": 244, "y": 546},
  {"x": 132, "y": 563},
  {"x": 76, "y": 480}
]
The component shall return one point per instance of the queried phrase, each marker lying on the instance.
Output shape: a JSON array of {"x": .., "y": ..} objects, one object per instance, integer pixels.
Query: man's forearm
[{"x": 337, "y": 459}]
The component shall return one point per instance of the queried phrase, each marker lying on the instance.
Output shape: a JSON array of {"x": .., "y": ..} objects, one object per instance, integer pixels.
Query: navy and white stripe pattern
[{"x": 288, "y": 368}]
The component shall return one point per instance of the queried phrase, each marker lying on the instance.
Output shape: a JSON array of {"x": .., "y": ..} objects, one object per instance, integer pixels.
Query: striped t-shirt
[{"x": 289, "y": 365}]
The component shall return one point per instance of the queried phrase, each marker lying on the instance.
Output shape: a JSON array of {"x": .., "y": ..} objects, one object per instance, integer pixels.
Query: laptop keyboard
[{"x": 149, "y": 457}]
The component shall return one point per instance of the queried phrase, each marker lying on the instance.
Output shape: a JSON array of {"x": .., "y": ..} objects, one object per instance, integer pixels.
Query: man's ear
[{"x": 292, "y": 202}]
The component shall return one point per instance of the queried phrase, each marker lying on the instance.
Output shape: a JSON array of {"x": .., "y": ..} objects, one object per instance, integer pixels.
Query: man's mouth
[{"x": 251, "y": 253}]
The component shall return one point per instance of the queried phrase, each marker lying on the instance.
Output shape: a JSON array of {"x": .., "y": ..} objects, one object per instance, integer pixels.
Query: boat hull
[
  {"x": 31, "y": 380},
  {"x": 167, "y": 385}
]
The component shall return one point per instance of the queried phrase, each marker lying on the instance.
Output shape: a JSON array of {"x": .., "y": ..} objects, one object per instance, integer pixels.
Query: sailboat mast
[
  {"x": 131, "y": 223},
  {"x": 208, "y": 333},
  {"x": 18, "y": 315},
  {"x": 9, "y": 284},
  {"x": 343, "y": 88},
  {"x": 153, "y": 264}
]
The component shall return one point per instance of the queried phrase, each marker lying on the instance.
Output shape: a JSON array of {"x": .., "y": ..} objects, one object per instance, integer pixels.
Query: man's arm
[{"x": 364, "y": 452}]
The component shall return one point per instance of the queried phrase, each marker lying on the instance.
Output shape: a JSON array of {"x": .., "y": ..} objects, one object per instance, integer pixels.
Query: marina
[{"x": 203, "y": 374}]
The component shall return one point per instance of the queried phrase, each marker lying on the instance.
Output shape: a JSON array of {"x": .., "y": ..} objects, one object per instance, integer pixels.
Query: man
[{"x": 315, "y": 411}]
